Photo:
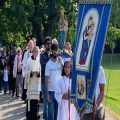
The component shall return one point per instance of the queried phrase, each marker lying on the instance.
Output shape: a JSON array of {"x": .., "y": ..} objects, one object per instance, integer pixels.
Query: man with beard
[
  {"x": 52, "y": 75},
  {"x": 44, "y": 58}
]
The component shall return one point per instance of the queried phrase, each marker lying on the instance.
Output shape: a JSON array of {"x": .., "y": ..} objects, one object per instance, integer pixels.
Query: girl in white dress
[{"x": 66, "y": 110}]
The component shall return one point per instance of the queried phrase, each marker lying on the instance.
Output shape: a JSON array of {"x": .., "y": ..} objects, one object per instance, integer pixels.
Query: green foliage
[
  {"x": 14, "y": 21},
  {"x": 18, "y": 16},
  {"x": 113, "y": 34}
]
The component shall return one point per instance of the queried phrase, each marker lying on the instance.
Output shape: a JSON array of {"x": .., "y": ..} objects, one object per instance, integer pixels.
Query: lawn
[{"x": 113, "y": 97}]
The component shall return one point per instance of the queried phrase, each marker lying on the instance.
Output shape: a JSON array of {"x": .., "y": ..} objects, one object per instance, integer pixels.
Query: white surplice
[{"x": 63, "y": 105}]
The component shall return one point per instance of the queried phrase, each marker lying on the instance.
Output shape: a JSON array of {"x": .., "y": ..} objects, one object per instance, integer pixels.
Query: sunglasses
[{"x": 48, "y": 43}]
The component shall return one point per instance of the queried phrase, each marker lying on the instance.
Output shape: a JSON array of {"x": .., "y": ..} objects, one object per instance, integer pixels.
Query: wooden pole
[{"x": 94, "y": 112}]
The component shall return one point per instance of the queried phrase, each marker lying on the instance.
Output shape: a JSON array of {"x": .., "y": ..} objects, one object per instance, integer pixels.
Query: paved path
[{"x": 14, "y": 109}]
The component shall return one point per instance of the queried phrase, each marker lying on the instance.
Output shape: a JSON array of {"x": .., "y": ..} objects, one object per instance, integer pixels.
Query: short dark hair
[
  {"x": 54, "y": 47},
  {"x": 48, "y": 38},
  {"x": 63, "y": 71}
]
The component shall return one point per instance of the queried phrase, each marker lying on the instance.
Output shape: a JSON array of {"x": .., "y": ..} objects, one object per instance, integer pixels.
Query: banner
[{"x": 92, "y": 23}]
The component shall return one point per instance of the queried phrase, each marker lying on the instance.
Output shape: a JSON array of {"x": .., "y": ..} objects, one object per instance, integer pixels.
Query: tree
[
  {"x": 37, "y": 17},
  {"x": 20, "y": 18},
  {"x": 113, "y": 34},
  {"x": 2, "y": 2}
]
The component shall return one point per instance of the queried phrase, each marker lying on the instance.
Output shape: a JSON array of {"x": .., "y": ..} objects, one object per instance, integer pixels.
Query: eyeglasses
[{"x": 48, "y": 43}]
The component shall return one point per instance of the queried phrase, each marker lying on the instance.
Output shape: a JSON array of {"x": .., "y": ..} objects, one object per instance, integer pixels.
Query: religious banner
[
  {"x": 92, "y": 23},
  {"x": 64, "y": 55}
]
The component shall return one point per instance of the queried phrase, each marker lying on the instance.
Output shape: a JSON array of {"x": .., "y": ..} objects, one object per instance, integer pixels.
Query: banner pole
[{"x": 94, "y": 107}]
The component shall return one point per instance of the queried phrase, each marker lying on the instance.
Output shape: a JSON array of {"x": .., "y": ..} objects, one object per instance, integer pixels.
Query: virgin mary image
[{"x": 87, "y": 37}]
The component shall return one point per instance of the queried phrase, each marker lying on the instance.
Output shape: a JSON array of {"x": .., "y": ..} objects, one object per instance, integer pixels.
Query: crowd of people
[{"x": 41, "y": 75}]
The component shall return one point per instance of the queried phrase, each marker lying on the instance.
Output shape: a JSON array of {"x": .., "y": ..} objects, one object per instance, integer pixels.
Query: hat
[
  {"x": 54, "y": 47},
  {"x": 18, "y": 49}
]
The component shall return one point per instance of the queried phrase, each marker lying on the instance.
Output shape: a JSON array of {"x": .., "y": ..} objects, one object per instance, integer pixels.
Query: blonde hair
[
  {"x": 54, "y": 41},
  {"x": 18, "y": 49}
]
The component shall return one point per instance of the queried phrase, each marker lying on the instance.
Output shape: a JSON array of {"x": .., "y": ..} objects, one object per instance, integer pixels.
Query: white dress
[{"x": 64, "y": 111}]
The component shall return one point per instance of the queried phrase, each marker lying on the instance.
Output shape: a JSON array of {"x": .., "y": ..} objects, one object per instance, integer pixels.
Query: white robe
[
  {"x": 63, "y": 109},
  {"x": 27, "y": 55}
]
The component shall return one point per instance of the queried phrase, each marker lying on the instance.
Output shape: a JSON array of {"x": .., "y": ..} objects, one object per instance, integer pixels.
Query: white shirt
[
  {"x": 101, "y": 80},
  {"x": 5, "y": 78},
  {"x": 27, "y": 55},
  {"x": 53, "y": 71}
]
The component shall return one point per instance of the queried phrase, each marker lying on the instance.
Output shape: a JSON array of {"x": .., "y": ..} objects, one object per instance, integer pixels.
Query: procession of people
[
  {"x": 37, "y": 75},
  {"x": 44, "y": 74}
]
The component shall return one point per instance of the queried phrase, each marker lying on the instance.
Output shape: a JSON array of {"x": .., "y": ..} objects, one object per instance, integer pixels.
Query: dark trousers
[
  {"x": 24, "y": 94},
  {"x": 5, "y": 84},
  {"x": 33, "y": 113},
  {"x": 13, "y": 86},
  {"x": 1, "y": 79},
  {"x": 89, "y": 116},
  {"x": 10, "y": 82}
]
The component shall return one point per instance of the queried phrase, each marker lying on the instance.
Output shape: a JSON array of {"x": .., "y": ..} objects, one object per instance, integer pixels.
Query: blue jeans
[
  {"x": 52, "y": 107},
  {"x": 5, "y": 86},
  {"x": 45, "y": 103}
]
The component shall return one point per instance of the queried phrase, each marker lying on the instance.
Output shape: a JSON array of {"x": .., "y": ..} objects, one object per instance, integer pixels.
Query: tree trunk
[
  {"x": 49, "y": 27},
  {"x": 36, "y": 23},
  {"x": 2, "y": 2}
]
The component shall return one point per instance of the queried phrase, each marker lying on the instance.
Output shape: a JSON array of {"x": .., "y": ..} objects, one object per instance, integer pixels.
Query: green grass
[{"x": 113, "y": 97}]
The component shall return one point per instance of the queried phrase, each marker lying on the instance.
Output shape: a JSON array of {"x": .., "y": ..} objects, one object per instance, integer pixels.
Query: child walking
[
  {"x": 5, "y": 79},
  {"x": 66, "y": 110}
]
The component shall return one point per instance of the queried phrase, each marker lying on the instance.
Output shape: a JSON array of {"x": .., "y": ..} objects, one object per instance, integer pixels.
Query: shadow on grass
[
  {"x": 106, "y": 61},
  {"x": 111, "y": 98}
]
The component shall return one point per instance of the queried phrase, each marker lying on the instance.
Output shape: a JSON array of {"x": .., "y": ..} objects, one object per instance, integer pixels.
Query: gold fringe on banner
[
  {"x": 72, "y": 101},
  {"x": 95, "y": 1}
]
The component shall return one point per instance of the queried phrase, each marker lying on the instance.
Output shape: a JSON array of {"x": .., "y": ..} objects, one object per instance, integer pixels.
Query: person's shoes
[
  {"x": 12, "y": 94},
  {"x": 38, "y": 118},
  {"x": 1, "y": 91},
  {"x": 4, "y": 93},
  {"x": 9, "y": 92},
  {"x": 25, "y": 101},
  {"x": 17, "y": 96}
]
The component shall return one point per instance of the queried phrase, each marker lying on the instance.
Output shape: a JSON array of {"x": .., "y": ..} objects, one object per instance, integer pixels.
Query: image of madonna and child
[{"x": 87, "y": 37}]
